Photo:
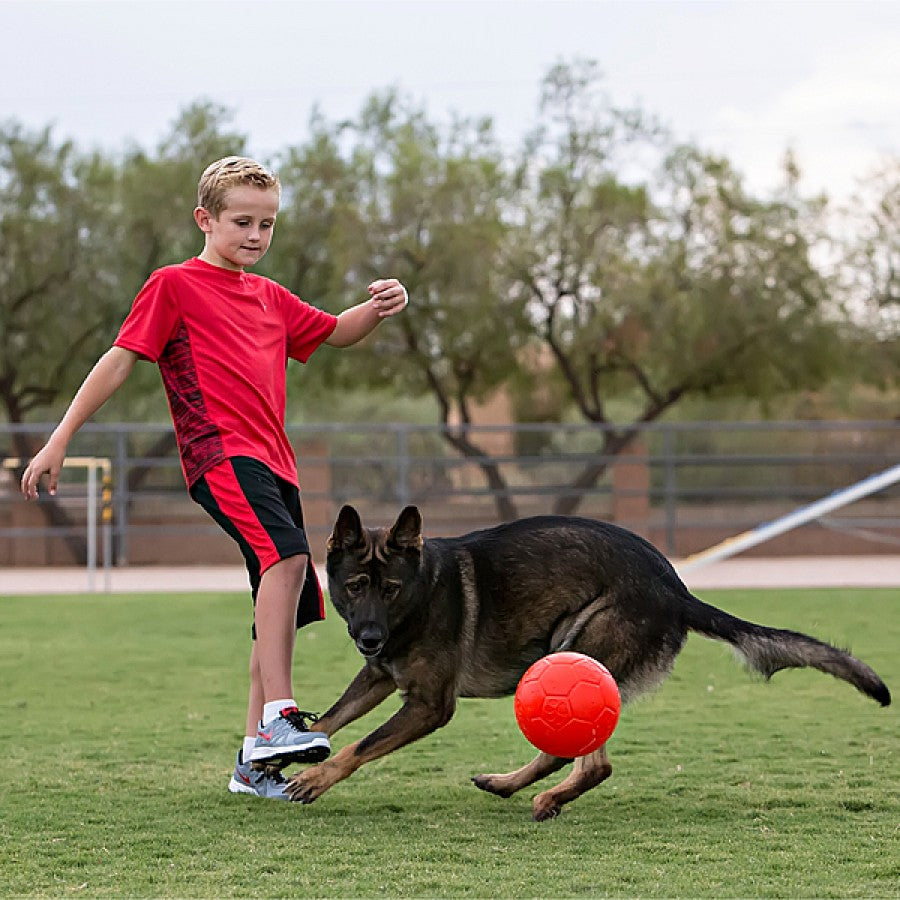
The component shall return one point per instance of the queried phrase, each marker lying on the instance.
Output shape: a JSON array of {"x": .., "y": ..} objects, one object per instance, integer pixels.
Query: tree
[
  {"x": 876, "y": 251},
  {"x": 425, "y": 204},
  {"x": 871, "y": 272},
  {"x": 318, "y": 218},
  {"x": 645, "y": 273},
  {"x": 695, "y": 287},
  {"x": 55, "y": 264}
]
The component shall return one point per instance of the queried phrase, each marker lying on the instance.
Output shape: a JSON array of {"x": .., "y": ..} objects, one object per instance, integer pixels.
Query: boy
[{"x": 222, "y": 338}]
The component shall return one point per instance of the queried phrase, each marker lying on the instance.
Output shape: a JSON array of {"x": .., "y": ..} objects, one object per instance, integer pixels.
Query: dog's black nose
[{"x": 370, "y": 640}]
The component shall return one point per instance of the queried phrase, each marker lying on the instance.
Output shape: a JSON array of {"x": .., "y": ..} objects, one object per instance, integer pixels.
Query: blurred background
[{"x": 653, "y": 251}]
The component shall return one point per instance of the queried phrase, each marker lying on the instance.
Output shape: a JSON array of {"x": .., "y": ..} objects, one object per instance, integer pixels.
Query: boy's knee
[
  {"x": 295, "y": 564},
  {"x": 291, "y": 568}
]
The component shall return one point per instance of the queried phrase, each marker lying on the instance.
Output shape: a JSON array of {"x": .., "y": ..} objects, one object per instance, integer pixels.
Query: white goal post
[
  {"x": 766, "y": 531},
  {"x": 99, "y": 511}
]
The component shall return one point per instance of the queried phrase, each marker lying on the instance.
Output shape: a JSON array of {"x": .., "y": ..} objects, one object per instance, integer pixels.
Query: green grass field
[{"x": 121, "y": 716}]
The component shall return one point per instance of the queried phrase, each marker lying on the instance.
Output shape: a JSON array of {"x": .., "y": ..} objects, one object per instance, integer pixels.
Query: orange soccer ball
[{"x": 567, "y": 704}]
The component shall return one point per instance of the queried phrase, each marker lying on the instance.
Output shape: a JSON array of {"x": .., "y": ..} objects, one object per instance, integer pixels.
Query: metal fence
[{"x": 684, "y": 486}]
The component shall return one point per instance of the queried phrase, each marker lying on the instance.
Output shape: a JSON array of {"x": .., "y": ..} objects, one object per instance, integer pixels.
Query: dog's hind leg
[
  {"x": 587, "y": 772},
  {"x": 506, "y": 785}
]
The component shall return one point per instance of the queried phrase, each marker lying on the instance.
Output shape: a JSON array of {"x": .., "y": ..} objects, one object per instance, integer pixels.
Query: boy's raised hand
[{"x": 388, "y": 296}]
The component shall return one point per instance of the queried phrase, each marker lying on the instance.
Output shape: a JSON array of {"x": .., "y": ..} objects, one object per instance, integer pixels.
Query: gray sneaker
[
  {"x": 245, "y": 780},
  {"x": 288, "y": 739}
]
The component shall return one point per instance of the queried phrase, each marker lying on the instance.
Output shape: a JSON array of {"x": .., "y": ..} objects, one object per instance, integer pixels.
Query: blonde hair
[{"x": 229, "y": 172}]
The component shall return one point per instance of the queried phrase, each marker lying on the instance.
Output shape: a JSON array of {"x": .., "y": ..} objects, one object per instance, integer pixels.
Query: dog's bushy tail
[{"x": 768, "y": 650}]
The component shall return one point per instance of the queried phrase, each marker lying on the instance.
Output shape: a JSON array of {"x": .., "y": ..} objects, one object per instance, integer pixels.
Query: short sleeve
[
  {"x": 307, "y": 326},
  {"x": 152, "y": 320}
]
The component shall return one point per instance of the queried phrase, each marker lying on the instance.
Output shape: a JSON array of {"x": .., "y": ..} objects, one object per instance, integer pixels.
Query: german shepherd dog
[{"x": 443, "y": 618}]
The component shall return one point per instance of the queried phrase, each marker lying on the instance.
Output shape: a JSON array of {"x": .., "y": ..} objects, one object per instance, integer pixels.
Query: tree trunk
[
  {"x": 613, "y": 444},
  {"x": 506, "y": 507}
]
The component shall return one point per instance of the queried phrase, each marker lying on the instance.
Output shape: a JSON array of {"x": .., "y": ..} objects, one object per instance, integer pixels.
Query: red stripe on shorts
[{"x": 227, "y": 492}]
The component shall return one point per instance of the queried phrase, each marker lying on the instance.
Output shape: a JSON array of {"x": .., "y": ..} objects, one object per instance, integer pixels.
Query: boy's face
[{"x": 242, "y": 232}]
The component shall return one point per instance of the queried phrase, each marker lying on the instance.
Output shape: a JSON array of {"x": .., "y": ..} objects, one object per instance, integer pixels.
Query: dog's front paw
[{"x": 306, "y": 786}]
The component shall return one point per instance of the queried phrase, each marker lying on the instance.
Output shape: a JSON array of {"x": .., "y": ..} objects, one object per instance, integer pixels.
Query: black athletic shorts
[{"x": 262, "y": 512}]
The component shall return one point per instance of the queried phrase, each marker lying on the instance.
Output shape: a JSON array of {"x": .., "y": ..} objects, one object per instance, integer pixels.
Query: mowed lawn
[{"x": 121, "y": 716}]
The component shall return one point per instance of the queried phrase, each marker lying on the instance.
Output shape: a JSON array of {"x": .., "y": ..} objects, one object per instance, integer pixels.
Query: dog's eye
[
  {"x": 391, "y": 589},
  {"x": 356, "y": 586}
]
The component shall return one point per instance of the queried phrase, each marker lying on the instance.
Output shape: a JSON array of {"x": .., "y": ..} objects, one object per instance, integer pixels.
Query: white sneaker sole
[
  {"x": 238, "y": 787},
  {"x": 314, "y": 750}
]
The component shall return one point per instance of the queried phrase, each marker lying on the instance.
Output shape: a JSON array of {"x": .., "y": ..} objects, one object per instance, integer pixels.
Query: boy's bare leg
[
  {"x": 257, "y": 699},
  {"x": 276, "y": 629},
  {"x": 287, "y": 738}
]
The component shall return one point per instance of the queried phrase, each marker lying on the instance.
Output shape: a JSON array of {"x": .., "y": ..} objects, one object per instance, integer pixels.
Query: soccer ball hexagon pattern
[{"x": 567, "y": 704}]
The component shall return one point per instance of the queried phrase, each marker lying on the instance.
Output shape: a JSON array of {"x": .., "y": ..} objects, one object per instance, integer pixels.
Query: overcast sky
[{"x": 746, "y": 78}]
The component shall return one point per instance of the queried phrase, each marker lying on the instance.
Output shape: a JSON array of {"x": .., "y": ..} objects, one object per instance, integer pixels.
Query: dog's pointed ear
[
  {"x": 348, "y": 530},
  {"x": 407, "y": 531}
]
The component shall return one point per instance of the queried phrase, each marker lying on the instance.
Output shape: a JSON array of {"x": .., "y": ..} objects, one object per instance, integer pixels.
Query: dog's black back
[{"x": 532, "y": 578}]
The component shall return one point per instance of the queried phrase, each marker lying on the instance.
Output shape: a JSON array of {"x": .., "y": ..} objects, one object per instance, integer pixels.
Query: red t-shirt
[{"x": 222, "y": 340}]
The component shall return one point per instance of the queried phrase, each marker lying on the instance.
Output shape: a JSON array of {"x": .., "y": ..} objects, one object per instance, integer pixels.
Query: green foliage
[
  {"x": 122, "y": 715},
  {"x": 430, "y": 206},
  {"x": 685, "y": 286},
  {"x": 597, "y": 268},
  {"x": 371, "y": 406},
  {"x": 55, "y": 266},
  {"x": 871, "y": 275},
  {"x": 875, "y": 256}
]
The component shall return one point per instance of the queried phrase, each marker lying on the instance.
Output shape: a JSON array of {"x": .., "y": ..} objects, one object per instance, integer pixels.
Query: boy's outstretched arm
[
  {"x": 387, "y": 297},
  {"x": 101, "y": 383}
]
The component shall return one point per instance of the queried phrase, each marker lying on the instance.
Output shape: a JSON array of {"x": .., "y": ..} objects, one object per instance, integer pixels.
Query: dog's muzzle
[{"x": 370, "y": 640}]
